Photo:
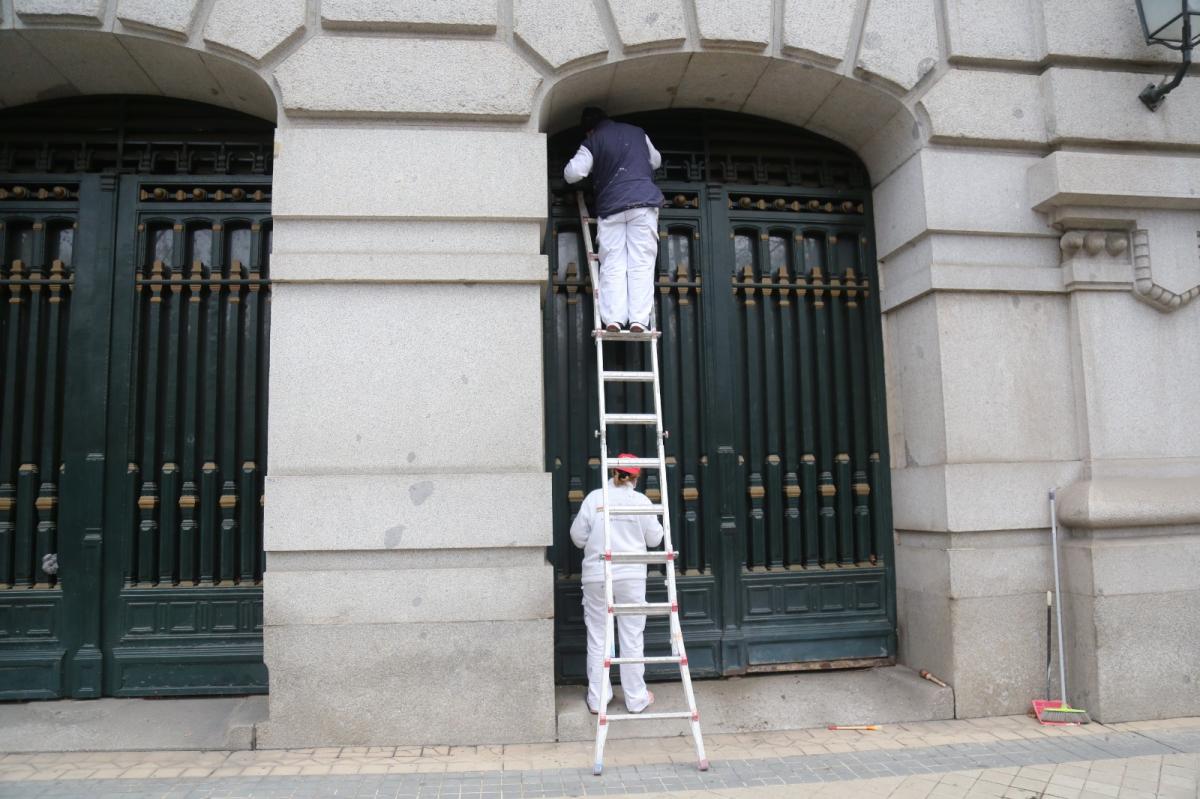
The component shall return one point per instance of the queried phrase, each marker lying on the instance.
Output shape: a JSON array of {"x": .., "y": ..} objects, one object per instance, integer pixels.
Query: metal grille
[
  {"x": 144, "y": 135},
  {"x": 713, "y": 147},
  {"x": 37, "y": 234},
  {"x": 199, "y": 417},
  {"x": 811, "y": 445}
]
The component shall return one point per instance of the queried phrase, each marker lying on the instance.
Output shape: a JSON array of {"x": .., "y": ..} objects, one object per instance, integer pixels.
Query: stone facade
[{"x": 1036, "y": 228}]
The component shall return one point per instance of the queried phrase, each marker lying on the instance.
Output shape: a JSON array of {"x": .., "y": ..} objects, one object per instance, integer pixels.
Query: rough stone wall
[{"x": 1035, "y": 225}]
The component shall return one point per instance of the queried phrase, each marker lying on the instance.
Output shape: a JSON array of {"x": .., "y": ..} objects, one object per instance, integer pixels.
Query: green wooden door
[
  {"x": 772, "y": 392},
  {"x": 132, "y": 365}
]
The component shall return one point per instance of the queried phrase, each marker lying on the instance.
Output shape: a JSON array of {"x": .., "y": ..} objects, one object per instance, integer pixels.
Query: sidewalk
[{"x": 1009, "y": 757}]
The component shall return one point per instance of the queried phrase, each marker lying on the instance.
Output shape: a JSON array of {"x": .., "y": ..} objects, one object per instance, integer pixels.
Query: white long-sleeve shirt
[
  {"x": 580, "y": 166},
  {"x": 627, "y": 533}
]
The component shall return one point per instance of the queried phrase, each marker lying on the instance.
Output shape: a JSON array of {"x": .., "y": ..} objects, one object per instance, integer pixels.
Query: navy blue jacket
[{"x": 621, "y": 173}]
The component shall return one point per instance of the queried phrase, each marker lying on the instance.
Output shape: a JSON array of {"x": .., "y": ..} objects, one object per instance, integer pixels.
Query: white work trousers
[
  {"x": 628, "y": 251},
  {"x": 629, "y": 632}
]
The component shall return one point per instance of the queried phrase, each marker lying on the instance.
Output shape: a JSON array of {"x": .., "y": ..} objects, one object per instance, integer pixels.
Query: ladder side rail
[
  {"x": 606, "y": 691},
  {"x": 660, "y": 434},
  {"x": 676, "y": 626},
  {"x": 668, "y": 543},
  {"x": 585, "y": 230}
]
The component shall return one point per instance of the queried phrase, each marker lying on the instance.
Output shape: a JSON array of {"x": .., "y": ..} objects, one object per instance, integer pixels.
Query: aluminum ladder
[{"x": 670, "y": 608}]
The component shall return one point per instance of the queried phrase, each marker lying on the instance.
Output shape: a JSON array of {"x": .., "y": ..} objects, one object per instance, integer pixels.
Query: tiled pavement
[{"x": 1011, "y": 757}]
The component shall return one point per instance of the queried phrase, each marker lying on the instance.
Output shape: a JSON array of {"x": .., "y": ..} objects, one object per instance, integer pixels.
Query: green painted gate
[
  {"x": 772, "y": 391},
  {"x": 134, "y": 258}
]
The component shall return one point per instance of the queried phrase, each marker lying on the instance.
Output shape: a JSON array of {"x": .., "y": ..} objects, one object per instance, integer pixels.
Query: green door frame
[
  {"x": 90, "y": 159},
  {"x": 85, "y": 441},
  {"x": 182, "y": 639},
  {"x": 850, "y": 601}
]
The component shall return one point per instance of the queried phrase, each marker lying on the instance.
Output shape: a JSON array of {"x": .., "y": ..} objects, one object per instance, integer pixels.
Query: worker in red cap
[{"x": 627, "y": 533}]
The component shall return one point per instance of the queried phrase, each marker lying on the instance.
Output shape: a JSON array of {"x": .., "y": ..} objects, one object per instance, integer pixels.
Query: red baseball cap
[{"x": 634, "y": 470}]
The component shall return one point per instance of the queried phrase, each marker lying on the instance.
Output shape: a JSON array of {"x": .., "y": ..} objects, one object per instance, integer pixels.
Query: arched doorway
[
  {"x": 773, "y": 396},
  {"x": 134, "y": 254}
]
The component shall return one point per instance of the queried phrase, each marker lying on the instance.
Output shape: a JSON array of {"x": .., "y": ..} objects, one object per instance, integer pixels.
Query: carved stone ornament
[
  {"x": 1109, "y": 207},
  {"x": 1144, "y": 287},
  {"x": 1112, "y": 245}
]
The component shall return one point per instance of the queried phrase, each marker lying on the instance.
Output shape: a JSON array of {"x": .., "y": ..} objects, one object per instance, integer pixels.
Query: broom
[{"x": 1061, "y": 713}]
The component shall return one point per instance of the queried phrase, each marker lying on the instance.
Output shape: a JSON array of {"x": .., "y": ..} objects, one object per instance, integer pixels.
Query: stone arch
[
  {"x": 154, "y": 49},
  {"x": 870, "y": 120}
]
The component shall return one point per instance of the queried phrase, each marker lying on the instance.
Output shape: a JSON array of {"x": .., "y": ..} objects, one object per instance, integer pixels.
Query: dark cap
[{"x": 591, "y": 117}]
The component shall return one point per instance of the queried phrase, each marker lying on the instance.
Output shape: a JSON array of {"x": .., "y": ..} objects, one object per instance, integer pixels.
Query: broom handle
[
  {"x": 1062, "y": 655},
  {"x": 1049, "y": 644}
]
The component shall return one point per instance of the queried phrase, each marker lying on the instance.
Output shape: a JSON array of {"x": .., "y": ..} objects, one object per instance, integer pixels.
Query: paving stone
[{"x": 958, "y": 769}]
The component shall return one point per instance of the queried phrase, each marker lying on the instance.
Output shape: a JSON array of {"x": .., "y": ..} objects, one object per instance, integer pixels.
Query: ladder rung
[
  {"x": 630, "y": 418},
  {"x": 649, "y": 659},
  {"x": 631, "y": 377},
  {"x": 625, "y": 335},
  {"x": 641, "y": 463},
  {"x": 591, "y": 220},
  {"x": 644, "y": 609},
  {"x": 657, "y": 556},
  {"x": 682, "y": 714},
  {"x": 636, "y": 510},
  {"x": 593, "y": 256}
]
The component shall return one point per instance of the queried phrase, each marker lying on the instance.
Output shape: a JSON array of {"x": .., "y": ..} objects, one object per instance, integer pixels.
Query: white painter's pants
[
  {"x": 628, "y": 251},
  {"x": 629, "y": 633}
]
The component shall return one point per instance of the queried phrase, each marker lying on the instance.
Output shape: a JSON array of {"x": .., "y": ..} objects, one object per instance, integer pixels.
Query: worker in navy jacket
[{"x": 622, "y": 161}]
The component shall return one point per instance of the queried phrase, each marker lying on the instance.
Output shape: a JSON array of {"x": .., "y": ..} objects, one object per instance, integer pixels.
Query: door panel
[
  {"x": 771, "y": 375},
  {"x": 133, "y": 357},
  {"x": 192, "y": 286},
  {"x": 37, "y": 236},
  {"x": 806, "y": 430}
]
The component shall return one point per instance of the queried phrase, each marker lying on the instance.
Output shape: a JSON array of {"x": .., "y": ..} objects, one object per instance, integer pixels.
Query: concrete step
[
  {"x": 764, "y": 702},
  {"x": 116, "y": 725}
]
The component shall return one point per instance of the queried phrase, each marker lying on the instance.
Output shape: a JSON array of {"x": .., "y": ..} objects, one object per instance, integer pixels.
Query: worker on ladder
[
  {"x": 622, "y": 161},
  {"x": 629, "y": 534}
]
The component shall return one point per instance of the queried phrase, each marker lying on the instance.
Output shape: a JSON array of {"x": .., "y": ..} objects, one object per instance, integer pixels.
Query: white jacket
[{"x": 627, "y": 533}]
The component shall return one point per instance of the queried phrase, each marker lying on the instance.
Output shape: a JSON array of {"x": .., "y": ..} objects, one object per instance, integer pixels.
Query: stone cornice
[{"x": 1130, "y": 502}]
